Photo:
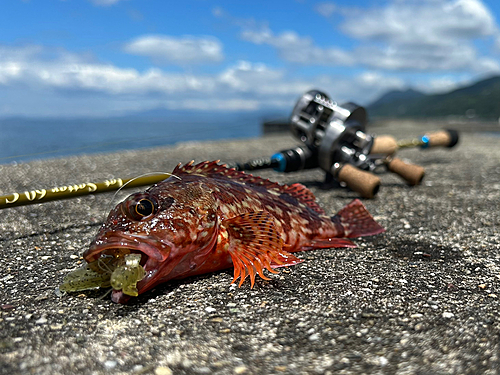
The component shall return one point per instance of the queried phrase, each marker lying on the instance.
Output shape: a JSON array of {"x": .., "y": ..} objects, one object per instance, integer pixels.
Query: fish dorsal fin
[
  {"x": 255, "y": 244},
  {"x": 190, "y": 167},
  {"x": 304, "y": 195},
  {"x": 213, "y": 169}
]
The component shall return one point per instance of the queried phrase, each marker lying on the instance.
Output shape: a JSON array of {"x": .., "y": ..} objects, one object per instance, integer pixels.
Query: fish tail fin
[{"x": 356, "y": 221}]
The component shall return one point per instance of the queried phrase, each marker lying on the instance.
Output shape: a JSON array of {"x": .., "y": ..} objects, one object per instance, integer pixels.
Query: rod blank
[{"x": 72, "y": 191}]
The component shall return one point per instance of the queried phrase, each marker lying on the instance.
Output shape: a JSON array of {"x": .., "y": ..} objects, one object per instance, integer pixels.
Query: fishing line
[
  {"x": 111, "y": 204},
  {"x": 104, "y": 266}
]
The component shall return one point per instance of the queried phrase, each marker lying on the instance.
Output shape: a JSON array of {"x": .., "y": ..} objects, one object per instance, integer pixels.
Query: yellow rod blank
[{"x": 72, "y": 191}]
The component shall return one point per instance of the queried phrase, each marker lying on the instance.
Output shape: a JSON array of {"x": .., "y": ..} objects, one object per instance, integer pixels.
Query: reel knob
[
  {"x": 411, "y": 173},
  {"x": 364, "y": 183}
]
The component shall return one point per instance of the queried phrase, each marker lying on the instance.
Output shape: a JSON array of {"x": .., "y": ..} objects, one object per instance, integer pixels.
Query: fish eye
[
  {"x": 139, "y": 207},
  {"x": 144, "y": 207}
]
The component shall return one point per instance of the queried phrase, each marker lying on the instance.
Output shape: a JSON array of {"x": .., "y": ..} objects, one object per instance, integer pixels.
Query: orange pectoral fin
[{"x": 254, "y": 245}]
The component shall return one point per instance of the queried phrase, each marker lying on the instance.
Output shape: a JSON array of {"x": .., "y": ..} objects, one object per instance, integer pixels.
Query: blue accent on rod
[
  {"x": 278, "y": 157},
  {"x": 425, "y": 139}
]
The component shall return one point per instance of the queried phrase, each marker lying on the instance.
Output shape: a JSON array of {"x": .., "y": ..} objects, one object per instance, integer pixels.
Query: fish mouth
[{"x": 153, "y": 252}]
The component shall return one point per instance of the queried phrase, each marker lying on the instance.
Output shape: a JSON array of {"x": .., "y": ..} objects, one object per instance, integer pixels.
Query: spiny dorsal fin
[
  {"x": 215, "y": 170},
  {"x": 304, "y": 195}
]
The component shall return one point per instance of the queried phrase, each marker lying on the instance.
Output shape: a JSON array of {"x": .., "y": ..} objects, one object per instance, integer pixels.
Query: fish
[{"x": 207, "y": 217}]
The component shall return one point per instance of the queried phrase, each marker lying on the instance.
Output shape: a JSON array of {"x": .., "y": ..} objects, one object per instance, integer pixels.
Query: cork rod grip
[
  {"x": 442, "y": 138},
  {"x": 364, "y": 183},
  {"x": 384, "y": 144},
  {"x": 411, "y": 173}
]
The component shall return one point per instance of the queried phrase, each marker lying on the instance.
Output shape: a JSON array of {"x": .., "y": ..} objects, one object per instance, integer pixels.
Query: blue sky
[{"x": 112, "y": 57}]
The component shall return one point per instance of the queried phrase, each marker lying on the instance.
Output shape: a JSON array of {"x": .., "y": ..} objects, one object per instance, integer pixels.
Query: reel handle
[
  {"x": 442, "y": 138},
  {"x": 384, "y": 145},
  {"x": 362, "y": 182},
  {"x": 411, "y": 173}
]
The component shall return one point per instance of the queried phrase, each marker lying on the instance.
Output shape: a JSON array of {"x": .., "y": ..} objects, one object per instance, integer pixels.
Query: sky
[{"x": 99, "y": 58}]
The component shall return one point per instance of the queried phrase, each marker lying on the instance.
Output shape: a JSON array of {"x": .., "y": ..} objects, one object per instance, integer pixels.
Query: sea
[{"x": 23, "y": 139}]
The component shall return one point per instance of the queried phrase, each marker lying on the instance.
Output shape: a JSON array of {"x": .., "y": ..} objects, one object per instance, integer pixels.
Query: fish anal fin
[
  {"x": 328, "y": 243},
  {"x": 255, "y": 245},
  {"x": 286, "y": 260},
  {"x": 356, "y": 221}
]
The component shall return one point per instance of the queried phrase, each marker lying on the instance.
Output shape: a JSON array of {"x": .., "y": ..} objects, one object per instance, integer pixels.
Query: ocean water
[{"x": 24, "y": 140}]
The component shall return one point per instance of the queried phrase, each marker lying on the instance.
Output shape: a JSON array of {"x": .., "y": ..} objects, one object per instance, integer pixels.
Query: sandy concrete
[{"x": 422, "y": 298}]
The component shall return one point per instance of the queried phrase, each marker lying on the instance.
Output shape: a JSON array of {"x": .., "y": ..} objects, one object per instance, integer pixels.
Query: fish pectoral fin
[
  {"x": 255, "y": 244},
  {"x": 327, "y": 243}
]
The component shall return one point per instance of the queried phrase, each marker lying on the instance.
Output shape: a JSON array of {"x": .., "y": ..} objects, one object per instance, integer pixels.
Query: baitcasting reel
[
  {"x": 337, "y": 132},
  {"x": 334, "y": 138}
]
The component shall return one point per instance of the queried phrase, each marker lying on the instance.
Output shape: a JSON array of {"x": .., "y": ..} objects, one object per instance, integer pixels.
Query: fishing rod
[
  {"x": 333, "y": 138},
  {"x": 290, "y": 160},
  {"x": 77, "y": 190}
]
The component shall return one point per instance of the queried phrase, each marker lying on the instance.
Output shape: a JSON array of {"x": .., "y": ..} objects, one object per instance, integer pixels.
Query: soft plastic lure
[{"x": 122, "y": 272}]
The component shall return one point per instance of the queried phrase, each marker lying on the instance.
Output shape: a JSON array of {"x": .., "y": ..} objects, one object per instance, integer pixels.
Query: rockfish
[{"x": 207, "y": 217}]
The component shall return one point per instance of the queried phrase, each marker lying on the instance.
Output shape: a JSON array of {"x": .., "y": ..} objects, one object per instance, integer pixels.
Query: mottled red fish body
[{"x": 207, "y": 217}]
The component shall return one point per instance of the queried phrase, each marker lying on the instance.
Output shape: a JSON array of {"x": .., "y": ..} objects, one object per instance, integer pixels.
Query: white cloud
[
  {"x": 426, "y": 35},
  {"x": 105, "y": 3},
  {"x": 421, "y": 22},
  {"x": 378, "y": 80},
  {"x": 246, "y": 77},
  {"x": 41, "y": 74},
  {"x": 326, "y": 9},
  {"x": 443, "y": 84},
  {"x": 167, "y": 49},
  {"x": 40, "y": 81},
  {"x": 362, "y": 88},
  {"x": 30, "y": 67},
  {"x": 410, "y": 35},
  {"x": 455, "y": 57},
  {"x": 294, "y": 48}
]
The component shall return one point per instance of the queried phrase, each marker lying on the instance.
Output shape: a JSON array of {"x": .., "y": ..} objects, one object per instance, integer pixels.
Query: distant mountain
[
  {"x": 479, "y": 100},
  {"x": 397, "y": 96}
]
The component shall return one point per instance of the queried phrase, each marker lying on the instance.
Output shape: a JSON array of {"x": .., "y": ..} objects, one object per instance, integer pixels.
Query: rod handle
[
  {"x": 362, "y": 182},
  {"x": 384, "y": 144},
  {"x": 411, "y": 173},
  {"x": 442, "y": 138}
]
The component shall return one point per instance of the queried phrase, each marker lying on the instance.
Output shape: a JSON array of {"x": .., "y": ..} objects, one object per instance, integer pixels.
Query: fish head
[{"x": 172, "y": 226}]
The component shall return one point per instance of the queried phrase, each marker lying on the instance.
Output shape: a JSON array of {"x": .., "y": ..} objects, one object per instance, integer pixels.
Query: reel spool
[{"x": 336, "y": 135}]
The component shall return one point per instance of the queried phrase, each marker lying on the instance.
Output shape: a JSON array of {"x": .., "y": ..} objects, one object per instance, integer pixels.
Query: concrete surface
[{"x": 423, "y": 298}]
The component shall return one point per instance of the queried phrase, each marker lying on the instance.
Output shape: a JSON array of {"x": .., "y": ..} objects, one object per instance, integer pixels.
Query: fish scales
[
  {"x": 207, "y": 217},
  {"x": 238, "y": 197}
]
